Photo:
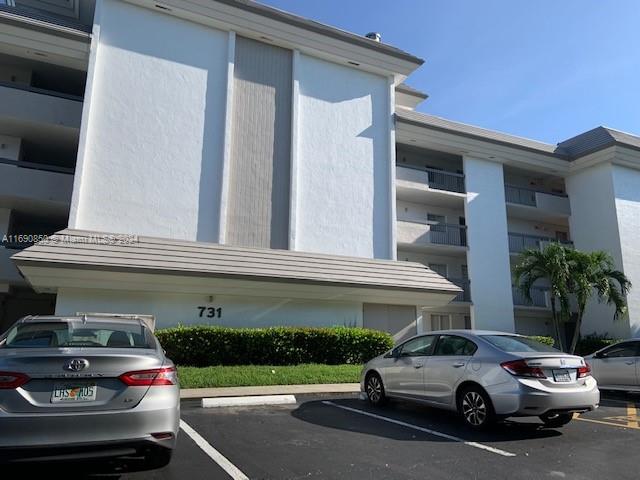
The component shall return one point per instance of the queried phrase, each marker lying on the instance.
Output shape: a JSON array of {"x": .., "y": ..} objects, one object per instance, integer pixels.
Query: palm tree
[
  {"x": 550, "y": 263},
  {"x": 591, "y": 273}
]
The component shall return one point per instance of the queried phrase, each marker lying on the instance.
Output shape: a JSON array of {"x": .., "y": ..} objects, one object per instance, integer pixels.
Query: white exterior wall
[
  {"x": 151, "y": 150},
  {"x": 343, "y": 187},
  {"x": 594, "y": 226},
  {"x": 626, "y": 186},
  {"x": 538, "y": 229},
  {"x": 488, "y": 256},
  {"x": 173, "y": 309}
]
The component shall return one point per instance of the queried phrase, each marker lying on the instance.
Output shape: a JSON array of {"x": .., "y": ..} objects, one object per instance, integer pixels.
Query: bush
[
  {"x": 202, "y": 346},
  {"x": 593, "y": 342},
  {"x": 546, "y": 340}
]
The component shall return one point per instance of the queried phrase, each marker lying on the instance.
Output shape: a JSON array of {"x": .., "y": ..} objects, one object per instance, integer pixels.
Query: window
[
  {"x": 76, "y": 333},
  {"x": 515, "y": 343},
  {"x": 418, "y": 346},
  {"x": 453, "y": 345},
  {"x": 440, "y": 321},
  {"x": 622, "y": 350},
  {"x": 437, "y": 222}
]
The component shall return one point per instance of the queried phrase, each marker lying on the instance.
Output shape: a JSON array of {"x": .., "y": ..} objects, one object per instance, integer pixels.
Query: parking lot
[{"x": 343, "y": 437}]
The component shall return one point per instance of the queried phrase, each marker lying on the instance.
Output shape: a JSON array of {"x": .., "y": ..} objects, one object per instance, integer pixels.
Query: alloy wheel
[
  {"x": 474, "y": 408},
  {"x": 374, "y": 389}
]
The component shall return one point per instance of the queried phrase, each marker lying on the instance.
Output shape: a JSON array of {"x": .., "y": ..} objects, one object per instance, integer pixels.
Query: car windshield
[
  {"x": 515, "y": 343},
  {"x": 76, "y": 333}
]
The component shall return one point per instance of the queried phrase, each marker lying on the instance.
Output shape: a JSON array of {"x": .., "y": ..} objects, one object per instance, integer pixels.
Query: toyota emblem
[{"x": 76, "y": 364}]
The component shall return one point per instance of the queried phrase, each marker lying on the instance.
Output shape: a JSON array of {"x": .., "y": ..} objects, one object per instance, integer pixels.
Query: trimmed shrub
[
  {"x": 203, "y": 346},
  {"x": 546, "y": 340},
  {"x": 592, "y": 343}
]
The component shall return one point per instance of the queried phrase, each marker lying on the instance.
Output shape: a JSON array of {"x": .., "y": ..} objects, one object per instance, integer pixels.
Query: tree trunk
[
  {"x": 576, "y": 332},
  {"x": 556, "y": 323}
]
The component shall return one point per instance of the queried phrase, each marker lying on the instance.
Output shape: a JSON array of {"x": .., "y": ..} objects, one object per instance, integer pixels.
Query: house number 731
[{"x": 210, "y": 312}]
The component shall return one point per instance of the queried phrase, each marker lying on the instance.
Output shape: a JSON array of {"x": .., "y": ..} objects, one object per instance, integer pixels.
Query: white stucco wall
[
  {"x": 151, "y": 147},
  {"x": 626, "y": 186},
  {"x": 594, "y": 226},
  {"x": 172, "y": 309},
  {"x": 488, "y": 256},
  {"x": 343, "y": 198}
]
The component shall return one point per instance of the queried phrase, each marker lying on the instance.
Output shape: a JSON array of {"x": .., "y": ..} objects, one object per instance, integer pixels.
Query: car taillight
[
  {"x": 12, "y": 380},
  {"x": 584, "y": 371},
  {"x": 519, "y": 368},
  {"x": 145, "y": 378}
]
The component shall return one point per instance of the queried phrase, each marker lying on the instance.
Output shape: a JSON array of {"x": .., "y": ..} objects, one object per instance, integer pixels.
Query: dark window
[
  {"x": 516, "y": 343},
  {"x": 418, "y": 346},
  {"x": 622, "y": 350},
  {"x": 453, "y": 345}
]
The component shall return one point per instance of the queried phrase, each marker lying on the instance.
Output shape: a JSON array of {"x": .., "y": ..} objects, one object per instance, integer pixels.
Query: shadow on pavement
[
  {"x": 442, "y": 421},
  {"x": 107, "y": 469}
]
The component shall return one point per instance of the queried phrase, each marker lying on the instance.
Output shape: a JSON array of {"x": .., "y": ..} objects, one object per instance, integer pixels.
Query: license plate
[
  {"x": 73, "y": 393},
  {"x": 561, "y": 376}
]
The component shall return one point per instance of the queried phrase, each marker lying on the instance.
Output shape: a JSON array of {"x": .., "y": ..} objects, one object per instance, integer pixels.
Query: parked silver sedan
[
  {"x": 75, "y": 388},
  {"x": 617, "y": 367},
  {"x": 484, "y": 376}
]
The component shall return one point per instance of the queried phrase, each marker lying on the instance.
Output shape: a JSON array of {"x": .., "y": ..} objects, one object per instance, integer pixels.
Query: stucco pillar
[{"x": 488, "y": 256}]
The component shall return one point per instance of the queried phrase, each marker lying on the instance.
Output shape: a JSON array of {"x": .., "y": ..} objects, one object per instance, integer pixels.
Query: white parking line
[
  {"x": 425, "y": 430},
  {"x": 233, "y": 471}
]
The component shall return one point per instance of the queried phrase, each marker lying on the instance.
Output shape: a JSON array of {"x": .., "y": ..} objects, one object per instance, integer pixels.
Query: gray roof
[
  {"x": 83, "y": 249},
  {"x": 597, "y": 139},
  {"x": 408, "y": 90},
  {"x": 41, "y": 21},
  {"x": 321, "y": 28}
]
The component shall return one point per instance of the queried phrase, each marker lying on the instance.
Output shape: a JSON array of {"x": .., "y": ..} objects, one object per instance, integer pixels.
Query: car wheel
[
  {"x": 375, "y": 390},
  {"x": 556, "y": 420},
  {"x": 475, "y": 407},
  {"x": 158, "y": 458}
]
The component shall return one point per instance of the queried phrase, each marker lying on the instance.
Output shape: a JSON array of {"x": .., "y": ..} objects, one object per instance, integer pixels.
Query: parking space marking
[
  {"x": 435, "y": 433},
  {"x": 632, "y": 415},
  {"x": 233, "y": 471},
  {"x": 603, "y": 422}
]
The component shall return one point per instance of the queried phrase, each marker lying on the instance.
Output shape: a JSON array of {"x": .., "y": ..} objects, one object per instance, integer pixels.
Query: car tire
[
  {"x": 374, "y": 388},
  {"x": 158, "y": 458},
  {"x": 475, "y": 408},
  {"x": 556, "y": 420}
]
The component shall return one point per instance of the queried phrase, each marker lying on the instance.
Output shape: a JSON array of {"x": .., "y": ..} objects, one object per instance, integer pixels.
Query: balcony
[
  {"x": 519, "y": 242},
  {"x": 527, "y": 203},
  {"x": 465, "y": 295},
  {"x": 428, "y": 185},
  {"x": 432, "y": 238},
  {"x": 42, "y": 187},
  {"x": 539, "y": 297},
  {"x": 8, "y": 272}
]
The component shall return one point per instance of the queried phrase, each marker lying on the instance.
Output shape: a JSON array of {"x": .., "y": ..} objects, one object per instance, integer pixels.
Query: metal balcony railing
[
  {"x": 37, "y": 166},
  {"x": 41, "y": 91},
  {"x": 465, "y": 295},
  {"x": 519, "y": 242},
  {"x": 440, "y": 179},
  {"x": 525, "y": 196},
  {"x": 448, "y": 234},
  {"x": 539, "y": 297}
]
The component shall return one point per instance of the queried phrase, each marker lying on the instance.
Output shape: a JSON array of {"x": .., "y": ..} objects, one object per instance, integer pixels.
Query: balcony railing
[
  {"x": 528, "y": 196},
  {"x": 448, "y": 234},
  {"x": 439, "y": 179},
  {"x": 41, "y": 91},
  {"x": 37, "y": 166},
  {"x": 465, "y": 295},
  {"x": 519, "y": 242},
  {"x": 539, "y": 297}
]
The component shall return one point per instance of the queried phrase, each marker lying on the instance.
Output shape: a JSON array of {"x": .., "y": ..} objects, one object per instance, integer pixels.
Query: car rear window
[
  {"x": 89, "y": 334},
  {"x": 515, "y": 343}
]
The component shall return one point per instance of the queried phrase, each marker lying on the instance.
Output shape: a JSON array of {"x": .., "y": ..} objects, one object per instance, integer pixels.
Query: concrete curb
[
  {"x": 252, "y": 401},
  {"x": 269, "y": 390}
]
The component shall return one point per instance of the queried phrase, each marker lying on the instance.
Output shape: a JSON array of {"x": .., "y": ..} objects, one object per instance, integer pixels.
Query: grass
[{"x": 253, "y": 375}]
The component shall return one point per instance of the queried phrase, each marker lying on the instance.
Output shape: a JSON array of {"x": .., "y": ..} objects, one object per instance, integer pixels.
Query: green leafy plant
[
  {"x": 202, "y": 346},
  {"x": 546, "y": 340},
  {"x": 593, "y": 342}
]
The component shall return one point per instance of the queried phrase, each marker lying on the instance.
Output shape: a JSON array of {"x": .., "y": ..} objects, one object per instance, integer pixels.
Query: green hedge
[
  {"x": 202, "y": 346},
  {"x": 546, "y": 340},
  {"x": 592, "y": 343}
]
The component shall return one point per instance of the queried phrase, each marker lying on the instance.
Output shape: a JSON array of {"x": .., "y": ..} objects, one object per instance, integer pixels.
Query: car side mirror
[{"x": 600, "y": 355}]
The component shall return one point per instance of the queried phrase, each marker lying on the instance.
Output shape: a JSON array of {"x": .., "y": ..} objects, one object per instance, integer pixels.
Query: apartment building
[{"x": 238, "y": 165}]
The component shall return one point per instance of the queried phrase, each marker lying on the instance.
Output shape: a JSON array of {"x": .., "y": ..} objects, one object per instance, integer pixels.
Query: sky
[{"x": 541, "y": 69}]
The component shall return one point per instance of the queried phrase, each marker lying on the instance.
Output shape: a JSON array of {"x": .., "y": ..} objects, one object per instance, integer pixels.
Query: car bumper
[
  {"x": 153, "y": 415},
  {"x": 523, "y": 397}
]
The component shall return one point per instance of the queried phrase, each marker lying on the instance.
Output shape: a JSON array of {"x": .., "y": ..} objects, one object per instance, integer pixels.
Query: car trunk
[
  {"x": 94, "y": 387},
  {"x": 561, "y": 370}
]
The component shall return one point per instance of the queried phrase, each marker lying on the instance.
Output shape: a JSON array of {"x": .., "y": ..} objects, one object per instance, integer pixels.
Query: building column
[{"x": 487, "y": 238}]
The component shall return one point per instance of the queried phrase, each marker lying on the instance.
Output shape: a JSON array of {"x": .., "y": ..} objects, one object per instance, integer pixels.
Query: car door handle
[
  {"x": 418, "y": 365},
  {"x": 458, "y": 364},
  {"x": 630, "y": 363}
]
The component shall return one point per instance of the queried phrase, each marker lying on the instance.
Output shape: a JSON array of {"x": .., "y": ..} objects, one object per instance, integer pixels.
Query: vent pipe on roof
[{"x": 375, "y": 36}]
